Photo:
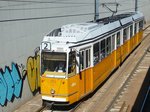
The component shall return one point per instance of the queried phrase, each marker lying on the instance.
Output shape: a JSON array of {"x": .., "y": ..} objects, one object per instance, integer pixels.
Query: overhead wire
[
  {"x": 52, "y": 2},
  {"x": 57, "y": 16},
  {"x": 129, "y": 9},
  {"x": 46, "y": 17},
  {"x": 27, "y": 2},
  {"x": 35, "y": 8}
]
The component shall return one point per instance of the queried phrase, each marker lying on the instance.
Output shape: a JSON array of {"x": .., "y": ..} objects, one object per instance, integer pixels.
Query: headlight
[{"x": 52, "y": 91}]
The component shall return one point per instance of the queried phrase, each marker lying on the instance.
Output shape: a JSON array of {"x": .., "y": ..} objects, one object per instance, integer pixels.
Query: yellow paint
[
  {"x": 103, "y": 69},
  {"x": 33, "y": 72},
  {"x": 124, "y": 50},
  {"x": 64, "y": 88},
  {"x": 140, "y": 35},
  {"x": 79, "y": 85},
  {"x": 85, "y": 81},
  {"x": 73, "y": 89},
  {"x": 118, "y": 56}
]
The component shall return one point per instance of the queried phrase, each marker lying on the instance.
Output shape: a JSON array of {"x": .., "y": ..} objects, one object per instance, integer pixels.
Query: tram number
[{"x": 46, "y": 46}]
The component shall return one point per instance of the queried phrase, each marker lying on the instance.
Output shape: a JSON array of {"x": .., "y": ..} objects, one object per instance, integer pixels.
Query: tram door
[{"x": 85, "y": 71}]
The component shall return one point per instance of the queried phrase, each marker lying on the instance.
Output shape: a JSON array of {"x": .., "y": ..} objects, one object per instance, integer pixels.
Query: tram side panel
[
  {"x": 137, "y": 39},
  {"x": 140, "y": 35},
  {"x": 118, "y": 56},
  {"x": 73, "y": 89},
  {"x": 134, "y": 40},
  {"x": 131, "y": 43},
  {"x": 85, "y": 80},
  {"x": 81, "y": 81},
  {"x": 88, "y": 80},
  {"x": 102, "y": 69},
  {"x": 124, "y": 50}
]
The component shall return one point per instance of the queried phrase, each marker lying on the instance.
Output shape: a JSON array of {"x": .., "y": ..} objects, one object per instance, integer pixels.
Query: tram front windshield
[{"x": 53, "y": 62}]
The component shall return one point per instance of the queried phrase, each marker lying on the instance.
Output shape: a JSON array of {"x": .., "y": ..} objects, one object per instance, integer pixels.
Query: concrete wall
[{"x": 23, "y": 23}]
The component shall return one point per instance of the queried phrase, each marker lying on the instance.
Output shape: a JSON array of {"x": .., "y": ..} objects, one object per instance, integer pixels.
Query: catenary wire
[{"x": 61, "y": 16}]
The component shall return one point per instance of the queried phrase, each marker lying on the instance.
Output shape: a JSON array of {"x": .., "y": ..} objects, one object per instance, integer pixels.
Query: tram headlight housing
[{"x": 52, "y": 91}]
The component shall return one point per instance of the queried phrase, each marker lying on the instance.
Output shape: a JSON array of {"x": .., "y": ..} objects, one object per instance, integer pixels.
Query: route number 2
[{"x": 46, "y": 46}]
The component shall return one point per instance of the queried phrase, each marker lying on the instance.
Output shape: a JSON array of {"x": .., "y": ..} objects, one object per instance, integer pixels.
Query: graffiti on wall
[
  {"x": 10, "y": 83},
  {"x": 11, "y": 79},
  {"x": 33, "y": 72}
]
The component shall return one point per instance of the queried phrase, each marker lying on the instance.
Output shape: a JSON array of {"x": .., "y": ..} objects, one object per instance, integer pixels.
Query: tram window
[
  {"x": 108, "y": 45},
  {"x": 135, "y": 28},
  {"x": 131, "y": 31},
  {"x": 102, "y": 49},
  {"x": 86, "y": 58},
  {"x": 53, "y": 62},
  {"x": 124, "y": 35},
  {"x": 113, "y": 42},
  {"x": 81, "y": 60},
  {"x": 88, "y": 62},
  {"x": 140, "y": 25},
  {"x": 72, "y": 63},
  {"x": 118, "y": 39},
  {"x": 128, "y": 37},
  {"x": 96, "y": 53}
]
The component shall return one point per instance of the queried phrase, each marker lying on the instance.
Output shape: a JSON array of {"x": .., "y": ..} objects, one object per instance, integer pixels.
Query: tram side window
[
  {"x": 102, "y": 49},
  {"x": 124, "y": 35},
  {"x": 131, "y": 31},
  {"x": 118, "y": 39},
  {"x": 81, "y": 60},
  {"x": 72, "y": 63},
  {"x": 113, "y": 42},
  {"x": 96, "y": 53},
  {"x": 128, "y": 36},
  {"x": 108, "y": 45},
  {"x": 88, "y": 62},
  {"x": 140, "y": 25},
  {"x": 135, "y": 28}
]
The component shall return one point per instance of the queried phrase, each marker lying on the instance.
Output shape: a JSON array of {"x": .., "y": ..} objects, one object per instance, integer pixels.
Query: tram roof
[{"x": 74, "y": 33}]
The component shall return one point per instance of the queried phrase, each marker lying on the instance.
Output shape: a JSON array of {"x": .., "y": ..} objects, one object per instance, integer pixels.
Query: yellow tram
[{"x": 77, "y": 58}]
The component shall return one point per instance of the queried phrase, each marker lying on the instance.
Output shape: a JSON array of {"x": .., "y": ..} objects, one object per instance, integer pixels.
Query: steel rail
[
  {"x": 45, "y": 107},
  {"x": 148, "y": 92},
  {"x": 127, "y": 80},
  {"x": 76, "y": 107},
  {"x": 129, "y": 77}
]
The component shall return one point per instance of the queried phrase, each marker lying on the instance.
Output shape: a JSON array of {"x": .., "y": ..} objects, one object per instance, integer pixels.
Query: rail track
[
  {"x": 117, "y": 104},
  {"x": 105, "y": 90},
  {"x": 46, "y": 108},
  {"x": 51, "y": 109},
  {"x": 145, "y": 101},
  {"x": 121, "y": 106}
]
